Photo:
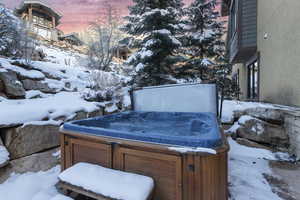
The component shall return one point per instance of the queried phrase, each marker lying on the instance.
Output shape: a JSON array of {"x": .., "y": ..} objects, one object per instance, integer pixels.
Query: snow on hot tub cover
[{"x": 169, "y": 128}]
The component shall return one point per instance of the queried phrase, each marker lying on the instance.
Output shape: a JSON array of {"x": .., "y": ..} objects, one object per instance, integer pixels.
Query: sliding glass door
[{"x": 253, "y": 81}]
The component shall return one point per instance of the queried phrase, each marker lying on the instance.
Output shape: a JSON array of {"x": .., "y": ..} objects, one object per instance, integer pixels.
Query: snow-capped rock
[
  {"x": 263, "y": 132},
  {"x": 13, "y": 87}
]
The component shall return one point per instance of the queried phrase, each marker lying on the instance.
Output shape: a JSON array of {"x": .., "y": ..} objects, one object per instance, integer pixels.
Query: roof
[
  {"x": 225, "y": 7},
  {"x": 25, "y": 3},
  {"x": 72, "y": 36}
]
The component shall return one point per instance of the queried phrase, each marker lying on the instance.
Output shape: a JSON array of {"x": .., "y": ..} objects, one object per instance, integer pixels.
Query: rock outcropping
[{"x": 275, "y": 128}]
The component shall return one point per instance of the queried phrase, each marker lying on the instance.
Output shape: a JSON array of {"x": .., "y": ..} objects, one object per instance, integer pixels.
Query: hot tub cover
[{"x": 169, "y": 128}]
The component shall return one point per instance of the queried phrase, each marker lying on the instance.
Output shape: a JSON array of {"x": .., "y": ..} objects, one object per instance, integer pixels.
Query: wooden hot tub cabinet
[{"x": 177, "y": 176}]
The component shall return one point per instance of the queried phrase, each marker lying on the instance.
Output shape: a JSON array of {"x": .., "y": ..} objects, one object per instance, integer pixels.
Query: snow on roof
[{"x": 108, "y": 182}]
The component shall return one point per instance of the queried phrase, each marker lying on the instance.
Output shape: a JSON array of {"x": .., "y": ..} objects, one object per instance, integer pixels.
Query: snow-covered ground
[
  {"x": 247, "y": 167},
  {"x": 32, "y": 186}
]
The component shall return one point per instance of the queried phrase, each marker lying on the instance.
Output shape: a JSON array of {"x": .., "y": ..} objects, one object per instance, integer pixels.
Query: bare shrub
[{"x": 104, "y": 37}]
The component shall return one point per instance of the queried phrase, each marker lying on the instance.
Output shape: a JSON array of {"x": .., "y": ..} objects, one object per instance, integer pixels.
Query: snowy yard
[{"x": 247, "y": 167}]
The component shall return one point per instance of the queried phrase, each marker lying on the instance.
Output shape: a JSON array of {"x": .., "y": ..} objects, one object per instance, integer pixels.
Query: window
[
  {"x": 233, "y": 18},
  {"x": 253, "y": 80},
  {"x": 236, "y": 80}
]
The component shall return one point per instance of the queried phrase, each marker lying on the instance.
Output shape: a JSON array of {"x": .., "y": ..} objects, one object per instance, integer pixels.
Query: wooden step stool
[{"x": 105, "y": 184}]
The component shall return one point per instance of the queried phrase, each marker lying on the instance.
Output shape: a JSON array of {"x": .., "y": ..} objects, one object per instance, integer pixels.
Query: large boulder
[
  {"x": 31, "y": 138},
  {"x": 38, "y": 85},
  {"x": 263, "y": 132},
  {"x": 271, "y": 115},
  {"x": 292, "y": 126},
  {"x": 13, "y": 87},
  {"x": 33, "y": 163}
]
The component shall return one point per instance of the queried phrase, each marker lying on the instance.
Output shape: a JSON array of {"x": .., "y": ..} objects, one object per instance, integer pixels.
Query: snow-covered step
[{"x": 104, "y": 183}]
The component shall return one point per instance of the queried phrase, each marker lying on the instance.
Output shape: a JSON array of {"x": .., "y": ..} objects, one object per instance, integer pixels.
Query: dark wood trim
[
  {"x": 251, "y": 61},
  {"x": 80, "y": 190}
]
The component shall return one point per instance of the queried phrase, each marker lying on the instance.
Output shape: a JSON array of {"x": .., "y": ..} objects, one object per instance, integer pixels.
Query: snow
[
  {"x": 163, "y": 31},
  {"x": 206, "y": 62},
  {"x": 57, "y": 154},
  {"x": 175, "y": 41},
  {"x": 233, "y": 128},
  {"x": 31, "y": 74},
  {"x": 32, "y": 186},
  {"x": 257, "y": 127},
  {"x": 35, "y": 93},
  {"x": 111, "y": 109},
  {"x": 162, "y": 12},
  {"x": 110, "y": 183},
  {"x": 60, "y": 197},
  {"x": 27, "y": 110},
  {"x": 4, "y": 155},
  {"x": 230, "y": 106},
  {"x": 203, "y": 36},
  {"x": 44, "y": 123},
  {"x": 247, "y": 167},
  {"x": 190, "y": 149},
  {"x": 145, "y": 53},
  {"x": 139, "y": 67},
  {"x": 58, "y": 56},
  {"x": 126, "y": 100},
  {"x": 245, "y": 118}
]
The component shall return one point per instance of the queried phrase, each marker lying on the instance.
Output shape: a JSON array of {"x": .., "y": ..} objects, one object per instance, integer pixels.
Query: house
[
  {"x": 263, "y": 44},
  {"x": 71, "y": 38},
  {"x": 42, "y": 18}
]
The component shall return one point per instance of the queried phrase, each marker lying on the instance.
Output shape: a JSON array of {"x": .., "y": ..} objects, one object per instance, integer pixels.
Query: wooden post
[
  {"x": 53, "y": 22},
  {"x": 30, "y": 13}
]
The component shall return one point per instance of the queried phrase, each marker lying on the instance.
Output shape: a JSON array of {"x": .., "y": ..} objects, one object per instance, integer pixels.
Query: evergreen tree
[
  {"x": 153, "y": 23},
  {"x": 204, "y": 45}
]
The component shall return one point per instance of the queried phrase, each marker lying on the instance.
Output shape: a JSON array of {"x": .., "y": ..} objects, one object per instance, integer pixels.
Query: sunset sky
[{"x": 77, "y": 14}]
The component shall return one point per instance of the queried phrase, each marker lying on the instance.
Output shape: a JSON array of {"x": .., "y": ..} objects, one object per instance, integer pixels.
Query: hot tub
[
  {"x": 185, "y": 153},
  {"x": 167, "y": 128}
]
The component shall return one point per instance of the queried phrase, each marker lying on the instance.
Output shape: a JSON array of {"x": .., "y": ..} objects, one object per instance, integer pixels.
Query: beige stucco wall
[{"x": 279, "y": 21}]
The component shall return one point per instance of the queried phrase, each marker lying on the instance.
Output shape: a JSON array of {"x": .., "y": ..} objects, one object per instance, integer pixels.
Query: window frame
[{"x": 253, "y": 79}]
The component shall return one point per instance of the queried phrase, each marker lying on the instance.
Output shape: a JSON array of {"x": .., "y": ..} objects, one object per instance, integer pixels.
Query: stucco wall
[{"x": 279, "y": 22}]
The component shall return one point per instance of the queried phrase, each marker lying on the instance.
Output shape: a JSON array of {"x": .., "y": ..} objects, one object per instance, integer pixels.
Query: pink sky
[{"x": 78, "y": 14}]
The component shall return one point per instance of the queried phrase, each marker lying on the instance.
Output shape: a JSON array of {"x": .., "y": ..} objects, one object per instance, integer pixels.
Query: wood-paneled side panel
[
  {"x": 188, "y": 175},
  {"x": 90, "y": 152},
  {"x": 62, "y": 152},
  {"x": 211, "y": 177},
  {"x": 166, "y": 170}
]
